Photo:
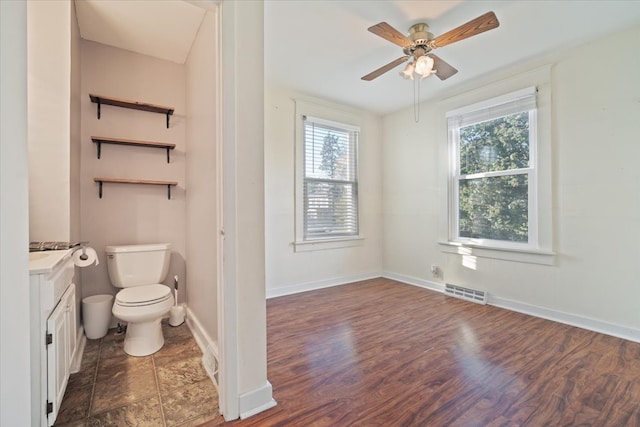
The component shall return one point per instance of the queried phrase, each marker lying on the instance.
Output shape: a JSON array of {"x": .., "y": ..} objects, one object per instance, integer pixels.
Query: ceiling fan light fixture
[
  {"x": 407, "y": 73},
  {"x": 424, "y": 66},
  {"x": 417, "y": 47}
]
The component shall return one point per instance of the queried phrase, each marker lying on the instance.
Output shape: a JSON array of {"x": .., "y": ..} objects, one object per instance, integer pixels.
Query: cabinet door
[
  {"x": 70, "y": 300},
  {"x": 57, "y": 358}
]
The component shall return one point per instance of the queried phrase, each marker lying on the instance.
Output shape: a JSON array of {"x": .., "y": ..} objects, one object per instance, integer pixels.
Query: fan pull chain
[{"x": 416, "y": 100}]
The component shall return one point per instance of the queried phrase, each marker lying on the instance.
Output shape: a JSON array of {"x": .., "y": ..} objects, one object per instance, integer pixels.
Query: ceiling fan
[{"x": 420, "y": 42}]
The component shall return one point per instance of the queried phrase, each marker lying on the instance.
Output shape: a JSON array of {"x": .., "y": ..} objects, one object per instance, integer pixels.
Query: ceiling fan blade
[
  {"x": 389, "y": 33},
  {"x": 483, "y": 23},
  {"x": 380, "y": 71},
  {"x": 443, "y": 69}
]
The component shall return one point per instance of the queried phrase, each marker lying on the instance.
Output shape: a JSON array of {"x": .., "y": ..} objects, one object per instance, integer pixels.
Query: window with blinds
[{"x": 330, "y": 179}]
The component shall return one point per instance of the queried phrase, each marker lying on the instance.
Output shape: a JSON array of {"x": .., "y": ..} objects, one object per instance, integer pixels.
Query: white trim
[
  {"x": 600, "y": 326},
  {"x": 81, "y": 340},
  {"x": 220, "y": 168},
  {"x": 624, "y": 332},
  {"x": 227, "y": 287},
  {"x": 207, "y": 345},
  {"x": 527, "y": 255},
  {"x": 304, "y": 108},
  {"x": 540, "y": 192},
  {"x": 619, "y": 331},
  {"x": 488, "y": 103},
  {"x": 330, "y": 113},
  {"x": 492, "y": 109},
  {"x": 320, "y": 284},
  {"x": 256, "y": 400},
  {"x": 322, "y": 244},
  {"x": 414, "y": 281},
  {"x": 331, "y": 123}
]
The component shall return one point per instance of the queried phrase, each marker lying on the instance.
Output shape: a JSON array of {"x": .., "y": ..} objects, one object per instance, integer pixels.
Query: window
[
  {"x": 330, "y": 184},
  {"x": 493, "y": 175}
]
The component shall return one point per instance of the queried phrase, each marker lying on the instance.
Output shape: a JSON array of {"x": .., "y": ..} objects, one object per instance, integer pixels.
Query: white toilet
[{"x": 143, "y": 301}]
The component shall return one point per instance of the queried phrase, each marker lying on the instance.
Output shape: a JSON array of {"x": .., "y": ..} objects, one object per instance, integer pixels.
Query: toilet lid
[{"x": 143, "y": 295}]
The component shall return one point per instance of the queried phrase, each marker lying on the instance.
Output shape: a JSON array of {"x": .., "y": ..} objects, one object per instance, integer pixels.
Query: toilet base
[
  {"x": 143, "y": 338},
  {"x": 144, "y": 331}
]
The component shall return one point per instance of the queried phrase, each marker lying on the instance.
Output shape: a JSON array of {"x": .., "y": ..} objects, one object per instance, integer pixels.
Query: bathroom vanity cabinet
[{"x": 53, "y": 331}]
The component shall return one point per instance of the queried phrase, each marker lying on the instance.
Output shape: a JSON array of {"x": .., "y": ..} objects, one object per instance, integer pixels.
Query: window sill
[
  {"x": 531, "y": 256},
  {"x": 322, "y": 244}
]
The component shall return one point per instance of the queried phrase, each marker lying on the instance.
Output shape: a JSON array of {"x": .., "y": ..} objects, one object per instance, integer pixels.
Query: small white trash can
[{"x": 96, "y": 313}]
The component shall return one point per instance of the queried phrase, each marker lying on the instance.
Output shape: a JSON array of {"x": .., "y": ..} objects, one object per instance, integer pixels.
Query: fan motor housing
[{"x": 420, "y": 36}]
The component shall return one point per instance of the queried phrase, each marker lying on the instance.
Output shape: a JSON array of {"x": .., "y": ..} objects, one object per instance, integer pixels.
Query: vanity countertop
[{"x": 45, "y": 261}]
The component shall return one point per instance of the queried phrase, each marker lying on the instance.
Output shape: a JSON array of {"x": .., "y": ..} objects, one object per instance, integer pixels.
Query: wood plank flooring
[{"x": 382, "y": 353}]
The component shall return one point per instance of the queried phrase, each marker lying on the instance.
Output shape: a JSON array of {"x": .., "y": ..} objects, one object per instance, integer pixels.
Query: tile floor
[{"x": 169, "y": 388}]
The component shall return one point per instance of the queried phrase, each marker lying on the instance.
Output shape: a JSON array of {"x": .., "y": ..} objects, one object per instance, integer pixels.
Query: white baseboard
[
  {"x": 250, "y": 403},
  {"x": 624, "y": 332},
  {"x": 81, "y": 342},
  {"x": 208, "y": 346},
  {"x": 320, "y": 284},
  {"x": 578, "y": 321},
  {"x": 409, "y": 280},
  {"x": 257, "y": 400},
  {"x": 583, "y": 322}
]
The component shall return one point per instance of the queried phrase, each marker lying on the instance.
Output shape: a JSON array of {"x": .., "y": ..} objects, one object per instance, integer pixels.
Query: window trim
[
  {"x": 542, "y": 252},
  {"x": 354, "y": 133},
  {"x": 455, "y": 177},
  {"x": 332, "y": 117}
]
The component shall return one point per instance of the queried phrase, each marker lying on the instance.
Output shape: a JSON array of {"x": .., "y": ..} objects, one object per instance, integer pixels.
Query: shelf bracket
[
  {"x": 98, "y": 147},
  {"x": 98, "y": 102},
  {"x": 168, "y": 156},
  {"x": 167, "y": 120},
  {"x": 100, "y": 189},
  {"x": 168, "y": 192}
]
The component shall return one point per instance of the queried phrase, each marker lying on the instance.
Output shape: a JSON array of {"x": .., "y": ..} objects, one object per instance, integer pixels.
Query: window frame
[
  {"x": 493, "y": 109},
  {"x": 334, "y": 118},
  {"x": 543, "y": 253},
  {"x": 352, "y": 147}
]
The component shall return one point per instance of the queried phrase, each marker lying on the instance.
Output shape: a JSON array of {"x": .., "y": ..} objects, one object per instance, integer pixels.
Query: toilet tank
[{"x": 137, "y": 265}]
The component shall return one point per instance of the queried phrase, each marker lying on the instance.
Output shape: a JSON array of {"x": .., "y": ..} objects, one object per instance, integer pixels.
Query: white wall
[
  {"x": 289, "y": 271},
  {"x": 411, "y": 193},
  {"x": 15, "y": 388},
  {"x": 243, "y": 307},
  {"x": 596, "y": 208},
  {"x": 49, "y": 68},
  {"x": 131, "y": 214},
  {"x": 202, "y": 172}
]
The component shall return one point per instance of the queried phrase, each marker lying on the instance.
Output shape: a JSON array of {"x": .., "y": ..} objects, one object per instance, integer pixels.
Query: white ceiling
[
  {"x": 163, "y": 29},
  {"x": 322, "y": 47}
]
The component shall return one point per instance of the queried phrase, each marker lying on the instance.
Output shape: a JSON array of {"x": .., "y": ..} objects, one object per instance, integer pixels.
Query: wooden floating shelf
[
  {"x": 100, "y": 181},
  {"x": 134, "y": 105},
  {"x": 99, "y": 140}
]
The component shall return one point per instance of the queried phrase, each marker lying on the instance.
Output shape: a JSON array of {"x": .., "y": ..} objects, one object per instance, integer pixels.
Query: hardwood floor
[{"x": 382, "y": 353}]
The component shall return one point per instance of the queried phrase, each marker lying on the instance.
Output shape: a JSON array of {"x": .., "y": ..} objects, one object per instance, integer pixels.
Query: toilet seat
[{"x": 143, "y": 295}]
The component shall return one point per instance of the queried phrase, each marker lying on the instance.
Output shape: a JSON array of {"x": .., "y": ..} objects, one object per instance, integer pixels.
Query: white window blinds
[
  {"x": 330, "y": 179},
  {"x": 522, "y": 100}
]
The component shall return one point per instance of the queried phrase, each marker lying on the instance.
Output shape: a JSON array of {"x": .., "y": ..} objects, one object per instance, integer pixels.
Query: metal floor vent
[{"x": 473, "y": 295}]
